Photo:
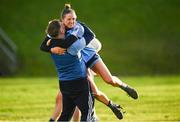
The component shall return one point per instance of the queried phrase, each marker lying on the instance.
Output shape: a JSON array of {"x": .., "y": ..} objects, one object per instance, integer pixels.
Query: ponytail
[
  {"x": 67, "y": 6},
  {"x": 67, "y": 9}
]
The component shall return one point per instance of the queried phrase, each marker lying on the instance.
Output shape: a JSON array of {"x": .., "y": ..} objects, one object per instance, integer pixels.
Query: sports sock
[{"x": 123, "y": 85}]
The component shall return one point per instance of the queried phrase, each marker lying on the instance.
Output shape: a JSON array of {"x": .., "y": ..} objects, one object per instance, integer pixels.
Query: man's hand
[
  {"x": 58, "y": 50},
  {"x": 48, "y": 42}
]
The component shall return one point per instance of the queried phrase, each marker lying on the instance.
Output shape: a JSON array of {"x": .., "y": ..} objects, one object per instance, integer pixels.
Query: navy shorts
[{"x": 93, "y": 61}]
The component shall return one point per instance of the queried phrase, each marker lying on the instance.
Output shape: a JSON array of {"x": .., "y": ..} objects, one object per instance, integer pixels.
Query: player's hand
[
  {"x": 48, "y": 42},
  {"x": 58, "y": 50}
]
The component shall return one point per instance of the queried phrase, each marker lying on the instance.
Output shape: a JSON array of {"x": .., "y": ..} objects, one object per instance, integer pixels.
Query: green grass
[
  {"x": 32, "y": 99},
  {"x": 136, "y": 33}
]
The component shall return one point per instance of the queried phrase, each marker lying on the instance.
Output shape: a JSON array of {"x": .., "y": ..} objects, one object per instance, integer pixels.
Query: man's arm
[
  {"x": 43, "y": 46},
  {"x": 55, "y": 50},
  {"x": 56, "y": 45},
  {"x": 66, "y": 43}
]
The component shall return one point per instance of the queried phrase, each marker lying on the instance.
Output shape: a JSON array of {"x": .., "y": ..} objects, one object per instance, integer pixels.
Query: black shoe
[
  {"x": 130, "y": 91},
  {"x": 116, "y": 110},
  {"x": 51, "y": 120}
]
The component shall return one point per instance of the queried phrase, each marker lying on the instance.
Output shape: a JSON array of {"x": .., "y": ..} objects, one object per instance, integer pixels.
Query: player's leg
[
  {"x": 58, "y": 107},
  {"x": 67, "y": 109},
  {"x": 76, "y": 115},
  {"x": 100, "y": 96},
  {"x": 95, "y": 91},
  {"x": 100, "y": 68}
]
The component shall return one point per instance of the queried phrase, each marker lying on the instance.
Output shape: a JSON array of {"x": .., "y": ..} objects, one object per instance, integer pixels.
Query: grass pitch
[{"x": 32, "y": 99}]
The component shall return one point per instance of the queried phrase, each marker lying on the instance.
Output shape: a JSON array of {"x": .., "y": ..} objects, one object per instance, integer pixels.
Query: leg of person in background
[
  {"x": 101, "y": 69},
  {"x": 58, "y": 109},
  {"x": 100, "y": 96}
]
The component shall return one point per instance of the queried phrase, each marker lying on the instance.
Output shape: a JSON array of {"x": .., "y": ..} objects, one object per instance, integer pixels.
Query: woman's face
[{"x": 69, "y": 20}]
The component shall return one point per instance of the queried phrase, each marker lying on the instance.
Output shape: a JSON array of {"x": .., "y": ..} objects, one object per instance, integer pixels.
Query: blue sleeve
[{"x": 77, "y": 46}]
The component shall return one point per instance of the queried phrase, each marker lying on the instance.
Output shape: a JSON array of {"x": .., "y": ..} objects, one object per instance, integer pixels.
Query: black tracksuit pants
[{"x": 77, "y": 93}]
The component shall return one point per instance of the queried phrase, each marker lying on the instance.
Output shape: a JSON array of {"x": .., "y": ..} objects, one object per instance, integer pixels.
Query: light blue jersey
[{"x": 78, "y": 31}]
